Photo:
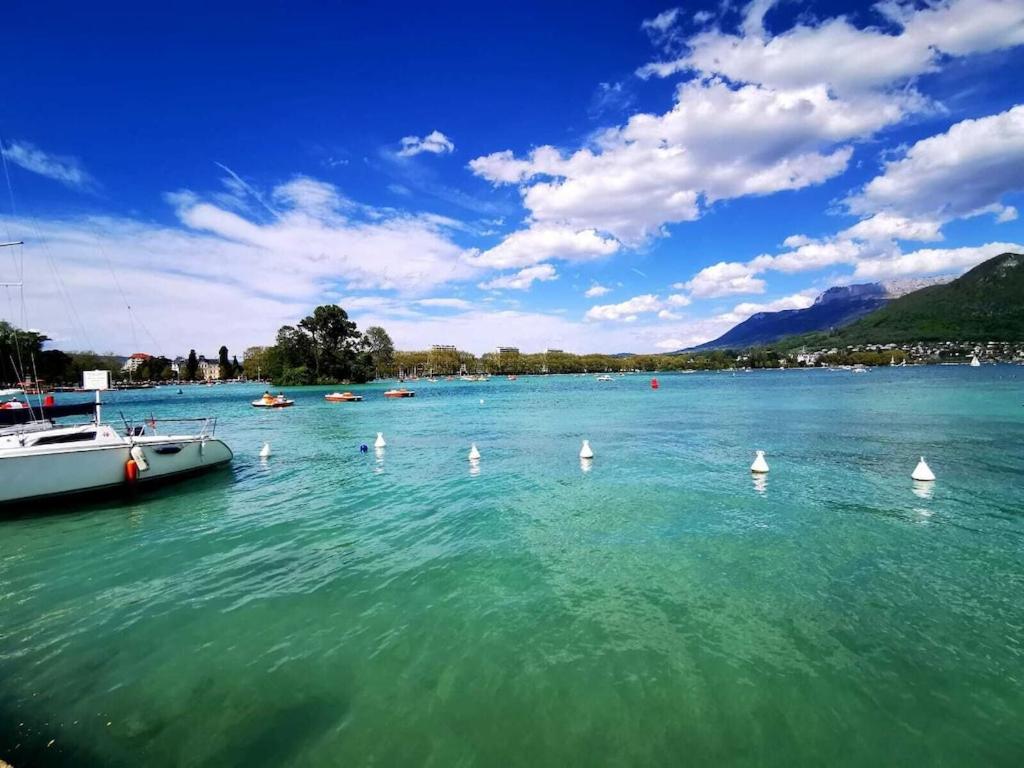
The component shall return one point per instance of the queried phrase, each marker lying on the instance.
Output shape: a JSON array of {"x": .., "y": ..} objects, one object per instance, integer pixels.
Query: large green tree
[{"x": 381, "y": 350}]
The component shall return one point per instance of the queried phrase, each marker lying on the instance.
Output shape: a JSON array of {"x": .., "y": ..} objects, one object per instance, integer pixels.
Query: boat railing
[{"x": 206, "y": 426}]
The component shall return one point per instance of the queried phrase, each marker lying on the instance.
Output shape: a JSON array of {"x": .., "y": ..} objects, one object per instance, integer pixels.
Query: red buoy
[
  {"x": 654, "y": 384},
  {"x": 48, "y": 401}
]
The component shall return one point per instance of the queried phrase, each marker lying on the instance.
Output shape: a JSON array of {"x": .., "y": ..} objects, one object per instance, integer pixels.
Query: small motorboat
[
  {"x": 343, "y": 397},
  {"x": 400, "y": 393},
  {"x": 272, "y": 401},
  {"x": 512, "y": 377},
  {"x": 604, "y": 378}
]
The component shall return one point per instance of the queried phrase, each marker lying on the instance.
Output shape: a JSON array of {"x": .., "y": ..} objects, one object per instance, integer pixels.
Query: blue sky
[{"x": 624, "y": 177}]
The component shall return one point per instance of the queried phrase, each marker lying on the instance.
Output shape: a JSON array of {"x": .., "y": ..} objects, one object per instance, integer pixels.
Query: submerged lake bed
[{"x": 658, "y": 605}]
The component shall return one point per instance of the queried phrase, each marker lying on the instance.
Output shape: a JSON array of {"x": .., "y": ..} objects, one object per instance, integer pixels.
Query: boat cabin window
[{"x": 71, "y": 437}]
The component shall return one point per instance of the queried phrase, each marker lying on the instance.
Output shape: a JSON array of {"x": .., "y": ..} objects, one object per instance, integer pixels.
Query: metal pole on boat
[{"x": 99, "y": 408}]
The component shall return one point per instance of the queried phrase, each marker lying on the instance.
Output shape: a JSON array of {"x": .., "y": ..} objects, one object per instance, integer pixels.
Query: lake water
[{"x": 329, "y": 607}]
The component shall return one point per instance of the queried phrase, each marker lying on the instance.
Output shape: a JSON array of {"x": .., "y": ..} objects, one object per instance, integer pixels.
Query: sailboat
[
  {"x": 975, "y": 362},
  {"x": 41, "y": 459}
]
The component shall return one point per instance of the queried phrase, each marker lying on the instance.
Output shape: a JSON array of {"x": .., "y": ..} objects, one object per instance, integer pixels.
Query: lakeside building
[
  {"x": 131, "y": 365},
  {"x": 209, "y": 370},
  {"x": 508, "y": 351}
]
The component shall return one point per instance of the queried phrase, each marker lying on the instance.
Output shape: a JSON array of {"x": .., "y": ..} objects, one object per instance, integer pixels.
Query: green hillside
[{"x": 985, "y": 304}]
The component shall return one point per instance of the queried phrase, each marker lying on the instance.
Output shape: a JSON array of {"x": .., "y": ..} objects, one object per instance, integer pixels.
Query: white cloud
[
  {"x": 596, "y": 291},
  {"x": 543, "y": 242},
  {"x": 930, "y": 261},
  {"x": 627, "y": 310},
  {"x": 1008, "y": 213},
  {"x": 661, "y": 23},
  {"x": 723, "y": 279},
  {"x": 446, "y": 303},
  {"x": 848, "y": 59},
  {"x": 678, "y": 300},
  {"x": 963, "y": 172},
  {"x": 889, "y": 226},
  {"x": 521, "y": 280},
  {"x": 743, "y": 311},
  {"x": 718, "y": 142},
  {"x": 671, "y": 344},
  {"x": 67, "y": 170},
  {"x": 195, "y": 277},
  {"x": 434, "y": 142}
]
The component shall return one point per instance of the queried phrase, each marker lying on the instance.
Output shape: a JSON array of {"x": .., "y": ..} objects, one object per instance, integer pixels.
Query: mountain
[
  {"x": 984, "y": 304},
  {"x": 834, "y": 308}
]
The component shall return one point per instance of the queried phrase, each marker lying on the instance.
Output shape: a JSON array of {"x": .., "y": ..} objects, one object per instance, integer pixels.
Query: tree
[
  {"x": 17, "y": 348},
  {"x": 225, "y": 364},
  {"x": 236, "y": 368},
  {"x": 192, "y": 366},
  {"x": 334, "y": 342},
  {"x": 382, "y": 350}
]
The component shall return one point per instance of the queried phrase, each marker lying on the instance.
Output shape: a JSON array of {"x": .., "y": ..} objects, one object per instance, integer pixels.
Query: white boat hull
[{"x": 58, "y": 470}]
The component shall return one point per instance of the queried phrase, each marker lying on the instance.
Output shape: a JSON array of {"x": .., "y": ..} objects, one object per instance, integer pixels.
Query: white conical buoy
[
  {"x": 379, "y": 442},
  {"x": 760, "y": 465},
  {"x": 265, "y": 451},
  {"x": 474, "y": 454},
  {"x": 922, "y": 472},
  {"x": 586, "y": 452}
]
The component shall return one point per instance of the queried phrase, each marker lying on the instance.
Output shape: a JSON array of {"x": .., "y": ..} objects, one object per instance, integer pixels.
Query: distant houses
[{"x": 131, "y": 365}]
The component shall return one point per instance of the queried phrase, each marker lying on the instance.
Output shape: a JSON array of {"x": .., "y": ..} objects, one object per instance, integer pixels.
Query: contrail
[{"x": 248, "y": 188}]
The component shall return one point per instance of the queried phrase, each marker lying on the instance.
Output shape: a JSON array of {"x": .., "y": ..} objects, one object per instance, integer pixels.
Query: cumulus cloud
[
  {"x": 64, "y": 169},
  {"x": 762, "y": 113},
  {"x": 434, "y": 142},
  {"x": 962, "y": 172},
  {"x": 521, "y": 280},
  {"x": 930, "y": 261},
  {"x": 629, "y": 310},
  {"x": 850, "y": 60},
  {"x": 723, "y": 279},
  {"x": 626, "y": 310},
  {"x": 718, "y": 142},
  {"x": 543, "y": 242},
  {"x": 596, "y": 291}
]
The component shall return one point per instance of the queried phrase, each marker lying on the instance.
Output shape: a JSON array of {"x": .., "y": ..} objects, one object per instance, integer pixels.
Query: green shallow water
[{"x": 328, "y": 607}]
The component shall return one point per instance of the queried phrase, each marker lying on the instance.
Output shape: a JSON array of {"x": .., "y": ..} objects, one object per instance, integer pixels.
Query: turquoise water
[{"x": 328, "y": 607}]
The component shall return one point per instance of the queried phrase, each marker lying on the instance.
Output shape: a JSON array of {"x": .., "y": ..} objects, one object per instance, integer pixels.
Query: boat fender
[
  {"x": 131, "y": 471},
  {"x": 140, "y": 458}
]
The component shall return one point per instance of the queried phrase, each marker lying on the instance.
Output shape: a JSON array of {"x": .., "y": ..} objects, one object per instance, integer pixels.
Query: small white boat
[
  {"x": 343, "y": 397},
  {"x": 272, "y": 401},
  {"x": 975, "y": 362},
  {"x": 39, "y": 459},
  {"x": 604, "y": 378}
]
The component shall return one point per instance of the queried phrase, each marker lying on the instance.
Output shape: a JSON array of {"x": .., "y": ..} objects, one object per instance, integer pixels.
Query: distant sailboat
[{"x": 975, "y": 362}]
